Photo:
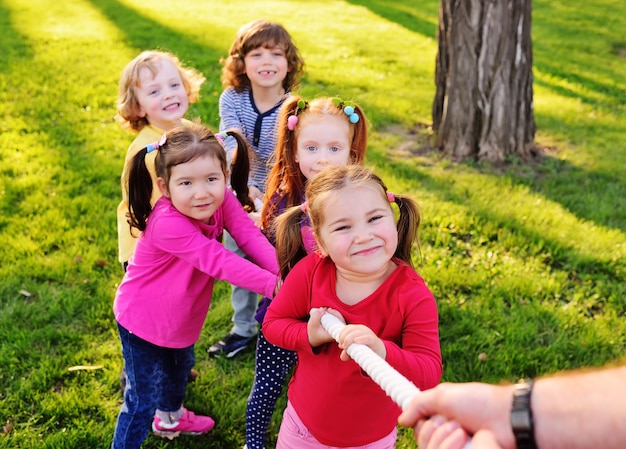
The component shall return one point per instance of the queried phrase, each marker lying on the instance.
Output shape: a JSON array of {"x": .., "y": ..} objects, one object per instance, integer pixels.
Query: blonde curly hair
[{"x": 127, "y": 103}]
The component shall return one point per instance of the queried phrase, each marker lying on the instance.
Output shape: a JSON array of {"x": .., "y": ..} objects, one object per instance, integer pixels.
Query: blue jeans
[
  {"x": 244, "y": 302},
  {"x": 156, "y": 378}
]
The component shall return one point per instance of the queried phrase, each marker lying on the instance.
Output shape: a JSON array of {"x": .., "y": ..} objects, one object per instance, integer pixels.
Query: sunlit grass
[{"x": 527, "y": 261}]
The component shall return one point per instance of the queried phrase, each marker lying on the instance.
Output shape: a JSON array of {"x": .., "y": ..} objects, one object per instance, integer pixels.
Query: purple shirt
[{"x": 166, "y": 292}]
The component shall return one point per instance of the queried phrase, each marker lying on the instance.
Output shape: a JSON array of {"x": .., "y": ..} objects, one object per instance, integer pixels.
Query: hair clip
[
  {"x": 348, "y": 109},
  {"x": 392, "y": 199},
  {"x": 304, "y": 207},
  {"x": 220, "y": 137},
  {"x": 292, "y": 120},
  {"x": 156, "y": 145}
]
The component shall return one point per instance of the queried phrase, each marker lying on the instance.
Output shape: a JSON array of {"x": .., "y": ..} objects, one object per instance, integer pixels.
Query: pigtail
[
  {"x": 289, "y": 244},
  {"x": 139, "y": 191},
  {"x": 359, "y": 139},
  {"x": 285, "y": 178},
  {"x": 408, "y": 227},
  {"x": 240, "y": 171}
]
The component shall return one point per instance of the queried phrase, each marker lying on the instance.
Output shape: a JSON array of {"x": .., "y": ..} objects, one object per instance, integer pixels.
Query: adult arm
[{"x": 571, "y": 410}]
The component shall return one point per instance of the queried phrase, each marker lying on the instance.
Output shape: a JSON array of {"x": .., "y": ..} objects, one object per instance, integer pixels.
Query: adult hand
[
  {"x": 438, "y": 433},
  {"x": 485, "y": 439},
  {"x": 471, "y": 407}
]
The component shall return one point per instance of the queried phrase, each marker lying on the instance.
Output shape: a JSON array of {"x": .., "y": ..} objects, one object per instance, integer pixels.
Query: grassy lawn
[{"x": 527, "y": 261}]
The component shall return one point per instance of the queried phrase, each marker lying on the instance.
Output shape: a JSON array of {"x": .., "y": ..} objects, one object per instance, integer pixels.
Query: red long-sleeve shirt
[{"x": 336, "y": 400}]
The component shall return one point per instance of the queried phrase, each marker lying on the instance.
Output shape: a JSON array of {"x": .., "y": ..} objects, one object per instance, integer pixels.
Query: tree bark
[{"x": 483, "y": 106}]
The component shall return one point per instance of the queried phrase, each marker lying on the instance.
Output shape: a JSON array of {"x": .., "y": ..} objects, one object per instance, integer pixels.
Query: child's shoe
[{"x": 188, "y": 424}]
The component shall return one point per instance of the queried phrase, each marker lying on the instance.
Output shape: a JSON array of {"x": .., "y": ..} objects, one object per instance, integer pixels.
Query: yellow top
[{"x": 126, "y": 239}]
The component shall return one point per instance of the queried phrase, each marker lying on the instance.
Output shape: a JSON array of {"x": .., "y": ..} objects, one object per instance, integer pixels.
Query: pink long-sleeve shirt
[
  {"x": 166, "y": 292},
  {"x": 340, "y": 405}
]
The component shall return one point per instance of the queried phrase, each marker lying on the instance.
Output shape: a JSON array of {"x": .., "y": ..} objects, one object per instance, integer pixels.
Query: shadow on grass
[
  {"x": 404, "y": 14},
  {"x": 557, "y": 177},
  {"x": 12, "y": 45},
  {"x": 143, "y": 33},
  {"x": 575, "y": 44},
  {"x": 562, "y": 257},
  {"x": 583, "y": 192},
  {"x": 607, "y": 96},
  {"x": 480, "y": 316}
]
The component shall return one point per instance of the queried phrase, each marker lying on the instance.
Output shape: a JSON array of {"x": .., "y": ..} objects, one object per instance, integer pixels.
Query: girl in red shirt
[
  {"x": 363, "y": 274},
  {"x": 312, "y": 135}
]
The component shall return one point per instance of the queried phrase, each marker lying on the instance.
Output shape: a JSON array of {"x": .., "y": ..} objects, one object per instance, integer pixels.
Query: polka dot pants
[{"x": 272, "y": 367}]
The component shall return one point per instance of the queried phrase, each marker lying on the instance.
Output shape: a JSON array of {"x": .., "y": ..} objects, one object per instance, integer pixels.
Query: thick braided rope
[{"x": 397, "y": 387}]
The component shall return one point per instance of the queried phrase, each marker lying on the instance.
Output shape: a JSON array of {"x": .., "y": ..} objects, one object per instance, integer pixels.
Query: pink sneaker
[{"x": 188, "y": 424}]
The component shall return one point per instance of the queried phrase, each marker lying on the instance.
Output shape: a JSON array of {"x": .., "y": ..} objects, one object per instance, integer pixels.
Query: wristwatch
[{"x": 522, "y": 417}]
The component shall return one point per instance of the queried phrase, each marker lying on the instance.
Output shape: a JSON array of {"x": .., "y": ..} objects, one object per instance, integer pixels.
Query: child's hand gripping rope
[{"x": 397, "y": 387}]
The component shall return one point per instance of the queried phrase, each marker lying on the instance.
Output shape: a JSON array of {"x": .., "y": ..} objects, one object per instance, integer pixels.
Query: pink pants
[{"x": 294, "y": 434}]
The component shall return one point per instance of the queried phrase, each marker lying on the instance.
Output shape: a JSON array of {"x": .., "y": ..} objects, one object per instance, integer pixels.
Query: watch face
[
  {"x": 521, "y": 417},
  {"x": 520, "y": 420}
]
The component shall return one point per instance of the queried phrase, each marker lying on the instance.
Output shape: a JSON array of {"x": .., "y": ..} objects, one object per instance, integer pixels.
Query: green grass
[{"x": 527, "y": 261}]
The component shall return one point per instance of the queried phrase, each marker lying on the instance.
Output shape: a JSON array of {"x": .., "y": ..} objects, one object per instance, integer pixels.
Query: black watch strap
[{"x": 522, "y": 417}]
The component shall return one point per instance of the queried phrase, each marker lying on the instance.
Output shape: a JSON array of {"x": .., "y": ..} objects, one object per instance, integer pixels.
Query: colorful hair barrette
[
  {"x": 292, "y": 120},
  {"x": 392, "y": 199},
  {"x": 221, "y": 136},
  {"x": 348, "y": 109},
  {"x": 156, "y": 145}
]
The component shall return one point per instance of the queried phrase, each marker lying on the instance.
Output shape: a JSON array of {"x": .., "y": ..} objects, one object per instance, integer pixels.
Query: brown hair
[
  {"x": 183, "y": 144},
  {"x": 330, "y": 182},
  {"x": 127, "y": 104},
  {"x": 255, "y": 34}
]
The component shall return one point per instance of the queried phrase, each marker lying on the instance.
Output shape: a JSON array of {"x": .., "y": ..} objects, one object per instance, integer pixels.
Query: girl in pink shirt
[
  {"x": 363, "y": 274},
  {"x": 163, "y": 300}
]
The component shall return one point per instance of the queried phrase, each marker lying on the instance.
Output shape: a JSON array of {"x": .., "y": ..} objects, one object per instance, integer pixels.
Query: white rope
[{"x": 397, "y": 387}]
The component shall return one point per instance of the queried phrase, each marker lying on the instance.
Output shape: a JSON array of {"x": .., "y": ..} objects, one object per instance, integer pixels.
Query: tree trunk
[{"x": 483, "y": 106}]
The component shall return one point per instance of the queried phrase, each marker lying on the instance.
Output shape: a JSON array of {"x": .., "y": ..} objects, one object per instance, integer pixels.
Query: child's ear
[
  {"x": 320, "y": 245},
  {"x": 163, "y": 187}
]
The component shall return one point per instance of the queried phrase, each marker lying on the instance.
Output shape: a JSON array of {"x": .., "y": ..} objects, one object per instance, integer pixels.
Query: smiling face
[
  {"x": 162, "y": 97},
  {"x": 266, "y": 67},
  {"x": 196, "y": 188},
  {"x": 322, "y": 141},
  {"x": 358, "y": 230}
]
